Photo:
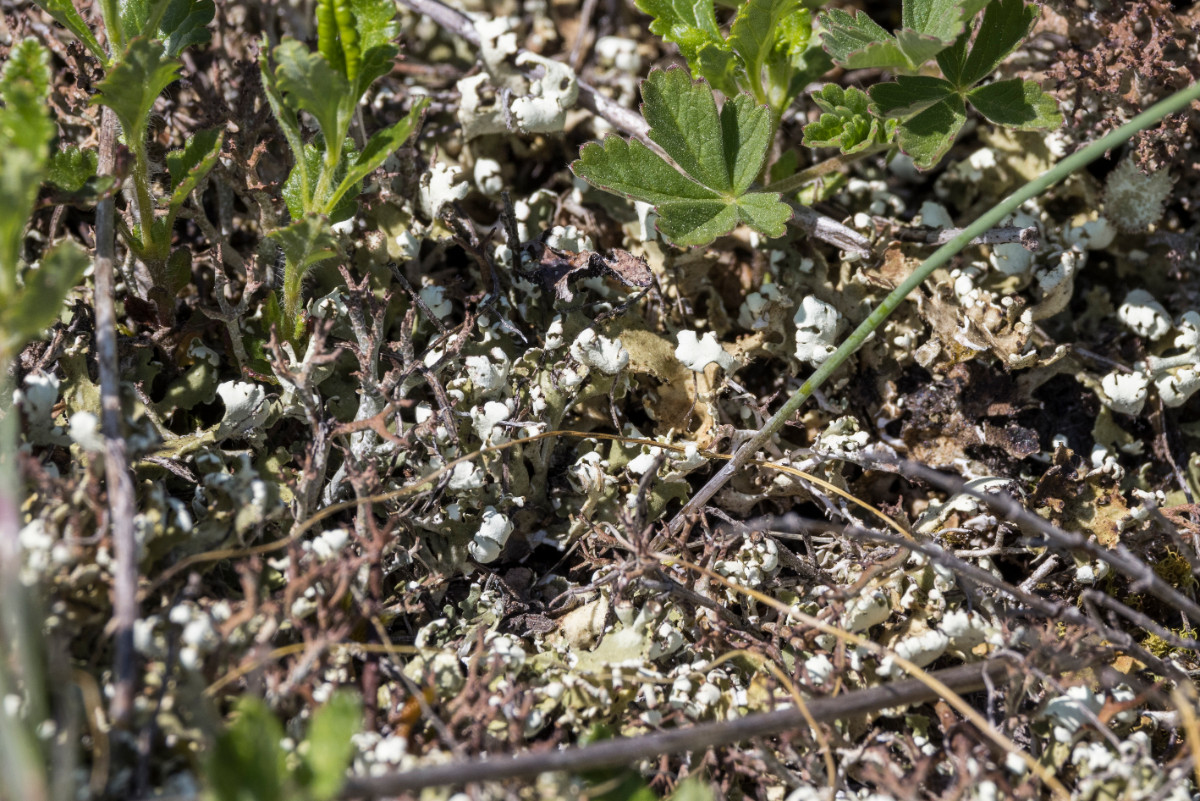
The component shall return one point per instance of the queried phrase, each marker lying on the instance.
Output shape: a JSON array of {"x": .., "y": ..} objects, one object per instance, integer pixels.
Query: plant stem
[
  {"x": 112, "y": 27},
  {"x": 989, "y": 219},
  {"x": 794, "y": 182},
  {"x": 122, "y": 508},
  {"x": 145, "y": 206}
]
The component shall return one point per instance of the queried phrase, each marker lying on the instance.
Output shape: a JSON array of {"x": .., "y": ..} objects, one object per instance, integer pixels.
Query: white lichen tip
[
  {"x": 1144, "y": 315},
  {"x": 494, "y": 530},
  {"x": 698, "y": 353},
  {"x": 596, "y": 352},
  {"x": 817, "y": 326},
  {"x": 1125, "y": 392},
  {"x": 441, "y": 185}
]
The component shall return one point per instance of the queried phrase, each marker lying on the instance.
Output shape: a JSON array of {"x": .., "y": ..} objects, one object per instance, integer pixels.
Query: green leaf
[
  {"x": 330, "y": 747},
  {"x": 919, "y": 47},
  {"x": 688, "y": 24},
  {"x": 928, "y": 27},
  {"x": 720, "y": 155},
  {"x": 932, "y": 109},
  {"x": 184, "y": 23},
  {"x": 684, "y": 122},
  {"x": 693, "y": 788},
  {"x": 858, "y": 42},
  {"x": 908, "y": 95},
  {"x": 289, "y": 124},
  {"x": 378, "y": 148},
  {"x": 28, "y": 63},
  {"x": 1016, "y": 103},
  {"x": 310, "y": 161},
  {"x": 847, "y": 122},
  {"x": 39, "y": 304},
  {"x": 65, "y": 14},
  {"x": 755, "y": 37},
  {"x": 805, "y": 60},
  {"x": 943, "y": 20},
  {"x": 305, "y": 243},
  {"x": 133, "y": 85},
  {"x": 376, "y": 27},
  {"x": 718, "y": 65},
  {"x": 187, "y": 167},
  {"x": 928, "y": 135},
  {"x": 309, "y": 82},
  {"x": 246, "y": 762},
  {"x": 1005, "y": 25},
  {"x": 70, "y": 169},
  {"x": 355, "y": 37},
  {"x": 25, "y": 134}
]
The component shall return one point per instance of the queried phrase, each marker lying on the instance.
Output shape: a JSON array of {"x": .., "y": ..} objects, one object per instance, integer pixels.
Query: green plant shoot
[
  {"x": 932, "y": 110},
  {"x": 770, "y": 51},
  {"x": 32, "y": 301},
  {"x": 354, "y": 48},
  {"x": 145, "y": 38},
  {"x": 248, "y": 763}
]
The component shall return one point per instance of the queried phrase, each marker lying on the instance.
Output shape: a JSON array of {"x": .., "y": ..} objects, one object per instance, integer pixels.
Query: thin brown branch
[
  {"x": 829, "y": 230},
  {"x": 1119, "y": 557},
  {"x": 116, "y": 460},
  {"x": 629, "y": 750}
]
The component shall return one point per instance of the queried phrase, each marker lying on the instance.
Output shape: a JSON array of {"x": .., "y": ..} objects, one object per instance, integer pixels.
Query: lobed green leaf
[
  {"x": 908, "y": 94},
  {"x": 927, "y": 28},
  {"x": 1005, "y": 25},
  {"x": 688, "y": 24},
  {"x": 376, "y": 27},
  {"x": 856, "y": 41},
  {"x": 943, "y": 20},
  {"x": 307, "y": 81},
  {"x": 39, "y": 303},
  {"x": 932, "y": 110},
  {"x": 928, "y": 135},
  {"x": 720, "y": 154},
  {"x": 1016, "y": 103},
  {"x": 847, "y": 122},
  {"x": 72, "y": 167},
  {"x": 132, "y": 86},
  {"x": 630, "y": 168}
]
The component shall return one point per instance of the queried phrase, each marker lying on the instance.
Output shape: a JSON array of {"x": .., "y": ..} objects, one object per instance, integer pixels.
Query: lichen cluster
[{"x": 490, "y": 590}]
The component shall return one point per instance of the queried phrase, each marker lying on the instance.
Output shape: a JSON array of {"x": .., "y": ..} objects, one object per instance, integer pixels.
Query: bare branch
[
  {"x": 629, "y": 750},
  {"x": 116, "y": 460}
]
